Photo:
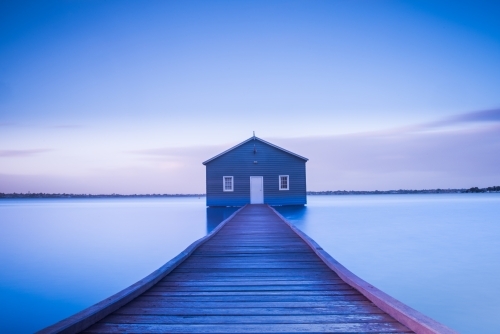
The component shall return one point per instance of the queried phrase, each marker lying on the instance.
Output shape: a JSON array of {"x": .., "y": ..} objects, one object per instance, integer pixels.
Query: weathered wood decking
[{"x": 255, "y": 275}]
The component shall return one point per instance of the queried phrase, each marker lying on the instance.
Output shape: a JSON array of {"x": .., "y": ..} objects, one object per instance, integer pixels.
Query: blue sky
[{"x": 131, "y": 97}]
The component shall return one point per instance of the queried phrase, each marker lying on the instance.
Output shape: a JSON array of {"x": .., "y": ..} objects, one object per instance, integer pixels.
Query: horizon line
[{"x": 311, "y": 192}]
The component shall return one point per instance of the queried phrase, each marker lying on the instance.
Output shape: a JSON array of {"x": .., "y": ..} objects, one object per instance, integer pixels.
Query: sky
[{"x": 132, "y": 96}]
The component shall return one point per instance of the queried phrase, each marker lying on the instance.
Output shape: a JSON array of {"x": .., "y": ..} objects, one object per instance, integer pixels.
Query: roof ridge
[{"x": 254, "y": 138}]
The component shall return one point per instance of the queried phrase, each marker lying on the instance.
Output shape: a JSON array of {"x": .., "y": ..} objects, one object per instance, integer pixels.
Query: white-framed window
[
  {"x": 227, "y": 183},
  {"x": 284, "y": 182}
]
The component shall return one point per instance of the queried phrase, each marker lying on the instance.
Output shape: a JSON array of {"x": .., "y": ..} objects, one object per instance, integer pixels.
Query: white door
[{"x": 256, "y": 189}]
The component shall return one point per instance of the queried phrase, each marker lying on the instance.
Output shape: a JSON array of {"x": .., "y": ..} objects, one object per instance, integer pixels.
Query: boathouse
[{"x": 256, "y": 171}]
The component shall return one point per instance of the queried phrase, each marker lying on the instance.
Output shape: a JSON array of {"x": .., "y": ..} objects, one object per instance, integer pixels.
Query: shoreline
[{"x": 495, "y": 189}]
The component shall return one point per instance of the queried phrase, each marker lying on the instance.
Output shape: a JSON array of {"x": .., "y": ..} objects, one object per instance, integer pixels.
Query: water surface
[
  {"x": 437, "y": 253},
  {"x": 59, "y": 256}
]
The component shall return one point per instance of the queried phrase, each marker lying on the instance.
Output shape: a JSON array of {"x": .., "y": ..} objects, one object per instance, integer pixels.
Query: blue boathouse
[{"x": 256, "y": 171}]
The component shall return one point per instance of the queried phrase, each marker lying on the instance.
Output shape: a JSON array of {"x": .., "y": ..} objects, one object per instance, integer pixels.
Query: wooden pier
[{"x": 254, "y": 274}]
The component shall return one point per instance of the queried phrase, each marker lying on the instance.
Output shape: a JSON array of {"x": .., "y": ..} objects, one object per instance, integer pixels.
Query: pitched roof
[{"x": 254, "y": 138}]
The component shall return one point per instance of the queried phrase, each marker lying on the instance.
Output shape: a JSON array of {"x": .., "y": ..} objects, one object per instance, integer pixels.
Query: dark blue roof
[{"x": 254, "y": 138}]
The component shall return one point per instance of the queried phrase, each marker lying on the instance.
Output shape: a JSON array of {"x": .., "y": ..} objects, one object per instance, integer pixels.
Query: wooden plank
[
  {"x": 255, "y": 243},
  {"x": 253, "y": 248},
  {"x": 239, "y": 275},
  {"x": 240, "y": 294},
  {"x": 250, "y": 328},
  {"x": 256, "y": 253},
  {"x": 290, "y": 254},
  {"x": 144, "y": 301},
  {"x": 242, "y": 271},
  {"x": 247, "y": 319},
  {"x": 270, "y": 258},
  {"x": 253, "y": 265},
  {"x": 252, "y": 259},
  {"x": 261, "y": 311},
  {"x": 280, "y": 284},
  {"x": 247, "y": 282},
  {"x": 271, "y": 235},
  {"x": 234, "y": 288},
  {"x": 242, "y": 298},
  {"x": 255, "y": 257}
]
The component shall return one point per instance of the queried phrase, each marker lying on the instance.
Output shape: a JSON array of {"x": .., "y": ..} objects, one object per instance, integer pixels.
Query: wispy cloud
[
  {"x": 468, "y": 120},
  {"x": 22, "y": 153},
  {"x": 484, "y": 116}
]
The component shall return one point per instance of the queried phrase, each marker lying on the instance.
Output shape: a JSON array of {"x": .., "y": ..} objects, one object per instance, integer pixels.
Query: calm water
[
  {"x": 438, "y": 253},
  {"x": 59, "y": 256}
]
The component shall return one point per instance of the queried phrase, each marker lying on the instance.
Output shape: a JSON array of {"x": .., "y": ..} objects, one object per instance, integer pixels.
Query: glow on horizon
[{"x": 127, "y": 97}]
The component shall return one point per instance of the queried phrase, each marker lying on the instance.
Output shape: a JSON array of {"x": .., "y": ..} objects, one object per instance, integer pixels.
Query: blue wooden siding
[{"x": 271, "y": 162}]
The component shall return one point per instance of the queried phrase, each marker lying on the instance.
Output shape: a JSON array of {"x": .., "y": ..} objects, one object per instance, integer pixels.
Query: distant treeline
[
  {"x": 44, "y": 195},
  {"x": 328, "y": 192},
  {"x": 406, "y": 191},
  {"x": 483, "y": 190}
]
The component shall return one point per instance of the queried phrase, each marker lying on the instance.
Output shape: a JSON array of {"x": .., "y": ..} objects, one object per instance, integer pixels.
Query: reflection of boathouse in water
[
  {"x": 256, "y": 171},
  {"x": 217, "y": 214}
]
